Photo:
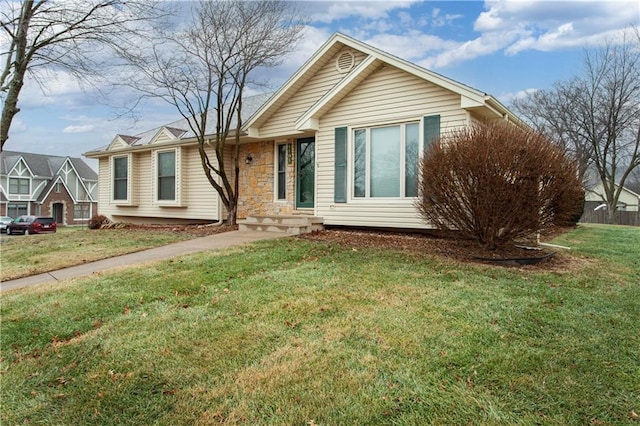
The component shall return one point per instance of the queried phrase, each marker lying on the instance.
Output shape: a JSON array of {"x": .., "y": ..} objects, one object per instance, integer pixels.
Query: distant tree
[
  {"x": 596, "y": 115},
  {"x": 497, "y": 182},
  {"x": 634, "y": 181},
  {"x": 206, "y": 70},
  {"x": 56, "y": 35}
]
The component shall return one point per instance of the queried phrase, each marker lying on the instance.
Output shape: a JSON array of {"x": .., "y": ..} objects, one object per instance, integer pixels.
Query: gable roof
[
  {"x": 179, "y": 130},
  {"x": 471, "y": 99},
  {"x": 45, "y": 166}
]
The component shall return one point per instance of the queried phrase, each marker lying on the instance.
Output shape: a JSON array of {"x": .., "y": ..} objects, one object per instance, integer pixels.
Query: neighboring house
[
  {"x": 340, "y": 140},
  {"x": 595, "y": 198},
  {"x": 34, "y": 184}
]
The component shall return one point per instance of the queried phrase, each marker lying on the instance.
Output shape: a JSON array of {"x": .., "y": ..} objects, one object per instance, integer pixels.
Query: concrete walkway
[{"x": 211, "y": 242}]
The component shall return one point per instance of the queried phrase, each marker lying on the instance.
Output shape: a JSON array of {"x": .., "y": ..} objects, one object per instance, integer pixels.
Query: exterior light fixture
[{"x": 248, "y": 159}]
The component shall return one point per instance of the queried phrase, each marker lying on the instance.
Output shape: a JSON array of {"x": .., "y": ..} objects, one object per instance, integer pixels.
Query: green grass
[
  {"x": 33, "y": 254},
  {"x": 293, "y": 332}
]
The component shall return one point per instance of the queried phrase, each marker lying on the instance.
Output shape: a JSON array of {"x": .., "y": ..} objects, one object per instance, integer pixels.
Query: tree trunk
[
  {"x": 232, "y": 215},
  {"x": 611, "y": 215},
  {"x": 20, "y": 61}
]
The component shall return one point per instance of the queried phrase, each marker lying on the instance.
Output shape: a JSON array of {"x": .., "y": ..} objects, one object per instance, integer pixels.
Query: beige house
[
  {"x": 595, "y": 198},
  {"x": 339, "y": 141}
]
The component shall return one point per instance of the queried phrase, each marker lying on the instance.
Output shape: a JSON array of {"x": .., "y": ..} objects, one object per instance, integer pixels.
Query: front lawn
[
  {"x": 24, "y": 255},
  {"x": 292, "y": 331}
]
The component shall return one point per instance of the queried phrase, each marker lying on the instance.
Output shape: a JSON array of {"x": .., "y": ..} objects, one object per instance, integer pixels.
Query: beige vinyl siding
[
  {"x": 388, "y": 96},
  {"x": 283, "y": 121},
  {"x": 199, "y": 199},
  {"x": 104, "y": 185}
]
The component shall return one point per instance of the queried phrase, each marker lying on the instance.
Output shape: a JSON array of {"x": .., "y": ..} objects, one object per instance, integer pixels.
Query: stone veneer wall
[{"x": 257, "y": 181}]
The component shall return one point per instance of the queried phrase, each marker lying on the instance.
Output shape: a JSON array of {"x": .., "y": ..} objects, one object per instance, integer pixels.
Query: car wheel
[
  {"x": 26, "y": 232},
  {"x": 8, "y": 231}
]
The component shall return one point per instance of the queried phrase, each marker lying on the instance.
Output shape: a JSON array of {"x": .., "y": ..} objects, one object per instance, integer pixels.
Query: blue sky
[{"x": 503, "y": 48}]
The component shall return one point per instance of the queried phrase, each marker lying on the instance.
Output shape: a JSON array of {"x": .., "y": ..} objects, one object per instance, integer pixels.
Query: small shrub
[
  {"x": 496, "y": 183},
  {"x": 98, "y": 221}
]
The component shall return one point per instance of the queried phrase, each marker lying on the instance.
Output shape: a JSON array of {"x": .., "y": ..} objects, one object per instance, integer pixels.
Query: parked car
[
  {"x": 31, "y": 225},
  {"x": 4, "y": 221}
]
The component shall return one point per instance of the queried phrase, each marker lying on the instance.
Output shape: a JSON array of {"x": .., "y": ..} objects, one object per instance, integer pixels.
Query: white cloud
[
  {"x": 327, "y": 12},
  {"x": 411, "y": 45},
  {"x": 517, "y": 26},
  {"x": 550, "y": 25},
  {"x": 85, "y": 128},
  {"x": 439, "y": 20},
  {"x": 510, "y": 97}
]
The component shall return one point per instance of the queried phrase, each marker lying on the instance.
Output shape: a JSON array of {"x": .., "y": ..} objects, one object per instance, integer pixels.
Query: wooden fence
[{"x": 622, "y": 218}]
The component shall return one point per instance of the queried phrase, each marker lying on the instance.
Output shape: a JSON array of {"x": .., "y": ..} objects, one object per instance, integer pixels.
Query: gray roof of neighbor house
[
  {"x": 180, "y": 128},
  {"x": 44, "y": 165}
]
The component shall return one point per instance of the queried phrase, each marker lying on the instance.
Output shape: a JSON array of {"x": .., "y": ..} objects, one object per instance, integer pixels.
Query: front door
[
  {"x": 58, "y": 209},
  {"x": 305, "y": 172}
]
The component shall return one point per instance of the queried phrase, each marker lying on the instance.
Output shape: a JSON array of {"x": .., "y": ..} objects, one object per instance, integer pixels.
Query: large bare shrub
[{"x": 496, "y": 183}]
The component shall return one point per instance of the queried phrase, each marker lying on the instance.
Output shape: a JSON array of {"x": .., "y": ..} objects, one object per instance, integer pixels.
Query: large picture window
[
  {"x": 120, "y": 177},
  {"x": 385, "y": 161},
  {"x": 167, "y": 175},
  {"x": 19, "y": 186},
  {"x": 282, "y": 172}
]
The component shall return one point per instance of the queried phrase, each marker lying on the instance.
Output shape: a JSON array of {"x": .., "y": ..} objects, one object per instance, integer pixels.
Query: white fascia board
[
  {"x": 337, "y": 37},
  {"x": 468, "y": 103},
  {"x": 311, "y": 123}
]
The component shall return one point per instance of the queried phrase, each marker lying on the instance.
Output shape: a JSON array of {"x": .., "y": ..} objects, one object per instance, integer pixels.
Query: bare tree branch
[
  {"x": 596, "y": 116},
  {"x": 74, "y": 36},
  {"x": 205, "y": 70}
]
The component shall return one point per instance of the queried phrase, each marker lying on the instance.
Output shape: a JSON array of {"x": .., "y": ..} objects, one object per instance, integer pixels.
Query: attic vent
[{"x": 345, "y": 62}]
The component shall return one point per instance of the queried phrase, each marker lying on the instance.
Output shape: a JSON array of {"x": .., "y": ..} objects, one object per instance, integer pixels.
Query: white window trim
[
  {"x": 351, "y": 157},
  {"x": 130, "y": 200},
  {"x": 276, "y": 188},
  {"x": 177, "y": 201},
  {"x": 19, "y": 178}
]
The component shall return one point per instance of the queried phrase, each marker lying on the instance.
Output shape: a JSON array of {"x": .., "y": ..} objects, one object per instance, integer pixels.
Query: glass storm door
[{"x": 305, "y": 172}]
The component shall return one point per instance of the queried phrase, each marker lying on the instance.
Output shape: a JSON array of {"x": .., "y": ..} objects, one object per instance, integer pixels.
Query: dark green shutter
[
  {"x": 431, "y": 129},
  {"x": 340, "y": 173}
]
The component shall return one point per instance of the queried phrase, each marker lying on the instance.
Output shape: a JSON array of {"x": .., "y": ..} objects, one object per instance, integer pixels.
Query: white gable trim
[
  {"x": 19, "y": 173},
  {"x": 118, "y": 142},
  {"x": 469, "y": 96},
  {"x": 289, "y": 84},
  {"x": 79, "y": 179},
  {"x": 311, "y": 119},
  {"x": 55, "y": 180},
  {"x": 165, "y": 135}
]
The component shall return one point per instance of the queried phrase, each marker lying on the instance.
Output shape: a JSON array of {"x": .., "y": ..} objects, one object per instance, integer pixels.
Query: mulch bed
[
  {"x": 196, "y": 230},
  {"x": 444, "y": 245},
  {"x": 434, "y": 243}
]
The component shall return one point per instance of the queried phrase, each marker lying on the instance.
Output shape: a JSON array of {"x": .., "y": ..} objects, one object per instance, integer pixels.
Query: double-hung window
[
  {"x": 167, "y": 176},
  {"x": 19, "y": 186},
  {"x": 385, "y": 161},
  {"x": 120, "y": 178}
]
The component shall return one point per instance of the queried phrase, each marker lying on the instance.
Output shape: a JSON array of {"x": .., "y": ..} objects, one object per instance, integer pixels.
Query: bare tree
[
  {"x": 597, "y": 114},
  {"x": 57, "y": 35},
  {"x": 551, "y": 113},
  {"x": 206, "y": 70}
]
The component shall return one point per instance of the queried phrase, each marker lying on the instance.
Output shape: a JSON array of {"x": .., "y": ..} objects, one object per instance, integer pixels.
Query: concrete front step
[{"x": 293, "y": 225}]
